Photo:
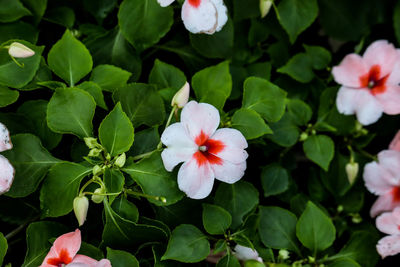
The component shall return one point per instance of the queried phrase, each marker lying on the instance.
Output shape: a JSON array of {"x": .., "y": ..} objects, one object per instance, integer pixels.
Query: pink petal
[
  {"x": 6, "y": 175},
  {"x": 199, "y": 119},
  {"x": 349, "y": 71},
  {"x": 85, "y": 261},
  {"x": 394, "y": 77},
  {"x": 222, "y": 15},
  {"x": 200, "y": 19},
  {"x": 387, "y": 223},
  {"x": 374, "y": 179},
  {"x": 388, "y": 246},
  {"x": 196, "y": 181},
  {"x": 229, "y": 172},
  {"x": 246, "y": 253},
  {"x": 390, "y": 162},
  {"x": 165, "y": 3},
  {"x": 5, "y": 143},
  {"x": 234, "y": 145},
  {"x": 390, "y": 99},
  {"x": 395, "y": 144},
  {"x": 383, "y": 203},
  {"x": 383, "y": 54},
  {"x": 103, "y": 263}
]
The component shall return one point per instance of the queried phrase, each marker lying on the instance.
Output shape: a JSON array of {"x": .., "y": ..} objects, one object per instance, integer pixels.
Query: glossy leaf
[
  {"x": 320, "y": 149},
  {"x": 250, "y": 123},
  {"x": 216, "y": 220},
  {"x": 7, "y": 96},
  {"x": 114, "y": 181},
  {"x": 95, "y": 91},
  {"x": 274, "y": 180},
  {"x": 121, "y": 258}
]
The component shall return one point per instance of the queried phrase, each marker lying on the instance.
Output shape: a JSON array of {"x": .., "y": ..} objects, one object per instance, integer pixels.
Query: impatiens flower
[
  {"x": 202, "y": 16},
  {"x": 389, "y": 223},
  {"x": 6, "y": 169},
  {"x": 370, "y": 84},
  {"x": 245, "y": 253},
  {"x": 207, "y": 153},
  {"x": 63, "y": 253}
]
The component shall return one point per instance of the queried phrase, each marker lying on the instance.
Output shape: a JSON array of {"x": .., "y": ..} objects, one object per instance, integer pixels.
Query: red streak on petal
[
  {"x": 194, "y": 3},
  {"x": 203, "y": 158},
  {"x": 201, "y": 138},
  {"x": 214, "y": 146},
  {"x": 374, "y": 77},
  {"x": 200, "y": 158},
  {"x": 63, "y": 258},
  {"x": 396, "y": 194}
]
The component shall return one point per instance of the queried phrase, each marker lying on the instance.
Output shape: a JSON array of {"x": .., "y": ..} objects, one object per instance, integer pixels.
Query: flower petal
[
  {"x": 381, "y": 53},
  {"x": 387, "y": 223},
  {"x": 388, "y": 246},
  {"x": 5, "y": 143},
  {"x": 6, "y": 174},
  {"x": 85, "y": 261},
  {"x": 175, "y": 155},
  {"x": 374, "y": 179},
  {"x": 222, "y": 16},
  {"x": 176, "y": 136},
  {"x": 349, "y": 71},
  {"x": 395, "y": 143},
  {"x": 383, "y": 203},
  {"x": 165, "y": 3},
  {"x": 229, "y": 172},
  {"x": 196, "y": 181},
  {"x": 199, "y": 118},
  {"x": 390, "y": 99},
  {"x": 390, "y": 162},
  {"x": 246, "y": 253},
  {"x": 234, "y": 145},
  {"x": 199, "y": 19}
]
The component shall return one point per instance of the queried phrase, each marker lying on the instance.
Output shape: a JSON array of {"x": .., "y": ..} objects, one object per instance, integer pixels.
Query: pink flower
[
  {"x": 6, "y": 169},
  {"x": 63, "y": 252},
  {"x": 370, "y": 84},
  {"x": 395, "y": 144},
  {"x": 202, "y": 16},
  {"x": 389, "y": 223},
  {"x": 207, "y": 153},
  {"x": 382, "y": 178}
]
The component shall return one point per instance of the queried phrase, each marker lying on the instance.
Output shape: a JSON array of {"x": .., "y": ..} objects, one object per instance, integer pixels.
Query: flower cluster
[{"x": 6, "y": 169}]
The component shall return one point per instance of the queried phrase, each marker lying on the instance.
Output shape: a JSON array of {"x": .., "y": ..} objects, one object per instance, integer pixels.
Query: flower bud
[
  {"x": 98, "y": 197},
  {"x": 303, "y": 136},
  {"x": 91, "y": 142},
  {"x": 19, "y": 50},
  {"x": 81, "y": 206},
  {"x": 181, "y": 97},
  {"x": 351, "y": 171},
  {"x": 95, "y": 152},
  {"x": 265, "y": 6},
  {"x": 120, "y": 161},
  {"x": 97, "y": 170},
  {"x": 283, "y": 254}
]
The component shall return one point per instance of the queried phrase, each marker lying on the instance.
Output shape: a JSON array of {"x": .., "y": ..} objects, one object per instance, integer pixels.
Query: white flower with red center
[
  {"x": 389, "y": 223},
  {"x": 202, "y": 16},
  {"x": 6, "y": 169},
  {"x": 207, "y": 153},
  {"x": 370, "y": 84}
]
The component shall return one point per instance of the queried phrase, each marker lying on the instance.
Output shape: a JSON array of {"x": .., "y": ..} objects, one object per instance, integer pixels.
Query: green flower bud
[
  {"x": 97, "y": 170},
  {"x": 265, "y": 6},
  {"x": 95, "y": 152},
  {"x": 120, "y": 161},
  {"x": 97, "y": 197},
  {"x": 91, "y": 142}
]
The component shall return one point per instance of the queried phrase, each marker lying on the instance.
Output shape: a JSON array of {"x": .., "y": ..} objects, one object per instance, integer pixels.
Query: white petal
[
  {"x": 345, "y": 100},
  {"x": 196, "y": 181},
  {"x": 390, "y": 162},
  {"x": 388, "y": 246},
  {"x": 174, "y": 155},
  {"x": 6, "y": 175},
  {"x": 229, "y": 172},
  {"x": 222, "y": 14},
  {"x": 234, "y": 145},
  {"x": 5, "y": 142},
  {"x": 245, "y": 253},
  {"x": 381, "y": 53},
  {"x": 369, "y": 109},
  {"x": 374, "y": 179},
  {"x": 387, "y": 223},
  {"x": 165, "y": 3},
  {"x": 348, "y": 72},
  {"x": 202, "y": 18},
  {"x": 176, "y": 136},
  {"x": 199, "y": 118}
]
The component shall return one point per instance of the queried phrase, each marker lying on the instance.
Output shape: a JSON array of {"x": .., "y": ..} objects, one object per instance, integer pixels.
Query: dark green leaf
[
  {"x": 12, "y": 10},
  {"x": 121, "y": 258},
  {"x": 3, "y": 248},
  {"x": 250, "y": 123},
  {"x": 95, "y": 91},
  {"x": 114, "y": 181},
  {"x": 110, "y": 77},
  {"x": 7, "y": 96},
  {"x": 274, "y": 180},
  {"x": 319, "y": 149},
  {"x": 216, "y": 220},
  {"x": 228, "y": 261},
  {"x": 299, "y": 111}
]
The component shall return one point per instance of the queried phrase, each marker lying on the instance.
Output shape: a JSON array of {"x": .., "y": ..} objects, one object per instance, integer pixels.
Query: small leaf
[
  {"x": 274, "y": 180},
  {"x": 121, "y": 258},
  {"x": 216, "y": 220},
  {"x": 319, "y": 56},
  {"x": 320, "y": 149},
  {"x": 250, "y": 123},
  {"x": 187, "y": 244},
  {"x": 299, "y": 111},
  {"x": 95, "y": 91},
  {"x": 285, "y": 132},
  {"x": 110, "y": 77},
  {"x": 3, "y": 248},
  {"x": 299, "y": 68},
  {"x": 166, "y": 76},
  {"x": 114, "y": 181}
]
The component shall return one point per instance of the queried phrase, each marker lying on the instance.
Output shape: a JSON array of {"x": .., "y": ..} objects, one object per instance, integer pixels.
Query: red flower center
[
  {"x": 194, "y": 3},
  {"x": 208, "y": 149},
  {"x": 63, "y": 258},
  {"x": 374, "y": 81}
]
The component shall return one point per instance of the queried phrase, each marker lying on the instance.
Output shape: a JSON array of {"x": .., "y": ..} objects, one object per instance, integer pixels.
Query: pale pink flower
[
  {"x": 202, "y": 16},
  {"x": 6, "y": 169},
  {"x": 207, "y": 153},
  {"x": 63, "y": 253},
  {"x": 389, "y": 223},
  {"x": 395, "y": 144},
  {"x": 370, "y": 84},
  {"x": 246, "y": 253}
]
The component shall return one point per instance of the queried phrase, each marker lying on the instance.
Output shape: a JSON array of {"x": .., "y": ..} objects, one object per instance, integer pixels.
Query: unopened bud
[
  {"x": 283, "y": 254},
  {"x": 120, "y": 161},
  {"x": 98, "y": 196},
  {"x": 19, "y": 50},
  {"x": 108, "y": 156},
  {"x": 81, "y": 206},
  {"x": 91, "y": 142},
  {"x": 181, "y": 97},
  {"x": 351, "y": 171},
  {"x": 303, "y": 136},
  {"x": 97, "y": 170},
  {"x": 163, "y": 200},
  {"x": 95, "y": 152},
  {"x": 265, "y": 6}
]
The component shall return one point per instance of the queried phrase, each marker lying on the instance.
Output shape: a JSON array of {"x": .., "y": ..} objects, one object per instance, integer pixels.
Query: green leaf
[
  {"x": 12, "y": 10},
  {"x": 145, "y": 141},
  {"x": 274, "y": 180},
  {"x": 250, "y": 123},
  {"x": 299, "y": 68},
  {"x": 213, "y": 85},
  {"x": 121, "y": 258},
  {"x": 91, "y": 251},
  {"x": 71, "y": 110},
  {"x": 142, "y": 104},
  {"x": 277, "y": 228},
  {"x": 7, "y": 96},
  {"x": 126, "y": 209},
  {"x": 3, "y": 248},
  {"x": 344, "y": 263},
  {"x": 217, "y": 45},
  {"x": 95, "y": 91},
  {"x": 216, "y": 220},
  {"x": 18, "y": 30},
  {"x": 314, "y": 229},
  {"x": 110, "y": 77},
  {"x": 31, "y": 162},
  {"x": 13, "y": 75},
  {"x": 63, "y": 180},
  {"x": 239, "y": 199},
  {"x": 297, "y": 15},
  {"x": 167, "y": 77},
  {"x": 285, "y": 132},
  {"x": 319, "y": 149},
  {"x": 100, "y": 8},
  {"x": 319, "y": 56},
  {"x": 36, "y": 7},
  {"x": 37, "y": 239},
  {"x": 61, "y": 15},
  {"x": 265, "y": 98},
  {"x": 299, "y": 111},
  {"x": 70, "y": 59},
  {"x": 187, "y": 244},
  {"x": 116, "y": 132},
  {"x": 228, "y": 261},
  {"x": 143, "y": 23},
  {"x": 154, "y": 180},
  {"x": 246, "y": 9},
  {"x": 114, "y": 181}
]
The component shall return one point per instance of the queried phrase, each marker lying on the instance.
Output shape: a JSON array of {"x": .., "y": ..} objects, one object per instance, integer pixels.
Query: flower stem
[
  {"x": 19, "y": 228},
  {"x": 159, "y": 146},
  {"x": 139, "y": 194}
]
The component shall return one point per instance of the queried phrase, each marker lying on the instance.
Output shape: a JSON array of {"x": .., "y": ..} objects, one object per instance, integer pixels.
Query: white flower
[
  {"x": 6, "y": 169},
  {"x": 245, "y": 253}
]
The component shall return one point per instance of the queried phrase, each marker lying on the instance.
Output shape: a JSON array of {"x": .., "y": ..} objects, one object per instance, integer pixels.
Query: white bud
[
  {"x": 98, "y": 197},
  {"x": 351, "y": 171},
  {"x": 181, "y": 97},
  {"x": 265, "y": 6},
  {"x": 120, "y": 161},
  {"x": 91, "y": 142},
  {"x": 19, "y": 50},
  {"x": 81, "y": 206}
]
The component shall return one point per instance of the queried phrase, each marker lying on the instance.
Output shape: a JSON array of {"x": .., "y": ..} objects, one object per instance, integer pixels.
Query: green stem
[
  {"x": 94, "y": 179},
  {"x": 159, "y": 146},
  {"x": 138, "y": 194},
  {"x": 19, "y": 228},
  {"x": 144, "y": 155}
]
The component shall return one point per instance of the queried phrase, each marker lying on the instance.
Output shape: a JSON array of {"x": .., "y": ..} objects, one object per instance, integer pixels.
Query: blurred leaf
[
  {"x": 344, "y": 263},
  {"x": 18, "y": 30},
  {"x": 37, "y": 8},
  {"x": 216, "y": 220},
  {"x": 274, "y": 179},
  {"x": 121, "y": 258},
  {"x": 61, "y": 15},
  {"x": 246, "y": 9},
  {"x": 100, "y": 8},
  {"x": 12, "y": 10},
  {"x": 228, "y": 261},
  {"x": 3, "y": 248}
]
